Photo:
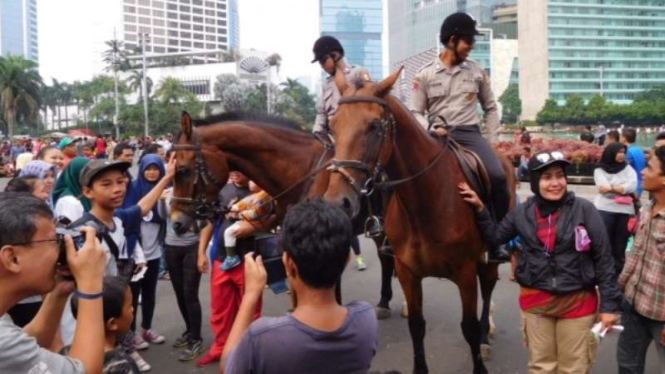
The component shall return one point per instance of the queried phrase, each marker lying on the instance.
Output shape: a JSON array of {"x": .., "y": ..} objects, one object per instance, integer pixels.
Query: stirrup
[{"x": 373, "y": 227}]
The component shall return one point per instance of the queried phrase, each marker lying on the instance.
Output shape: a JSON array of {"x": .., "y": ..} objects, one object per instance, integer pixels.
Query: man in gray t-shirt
[{"x": 320, "y": 336}]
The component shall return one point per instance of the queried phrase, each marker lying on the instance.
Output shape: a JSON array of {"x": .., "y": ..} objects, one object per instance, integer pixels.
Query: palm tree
[
  {"x": 135, "y": 82},
  {"x": 171, "y": 91},
  {"x": 113, "y": 57},
  {"x": 19, "y": 86},
  {"x": 57, "y": 98}
]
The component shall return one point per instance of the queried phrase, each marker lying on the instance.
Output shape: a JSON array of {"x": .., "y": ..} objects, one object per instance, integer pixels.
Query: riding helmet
[
  {"x": 543, "y": 160},
  {"x": 326, "y": 45},
  {"x": 458, "y": 24}
]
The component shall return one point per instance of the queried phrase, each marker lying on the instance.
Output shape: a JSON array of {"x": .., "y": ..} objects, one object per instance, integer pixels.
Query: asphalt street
[{"x": 446, "y": 349}]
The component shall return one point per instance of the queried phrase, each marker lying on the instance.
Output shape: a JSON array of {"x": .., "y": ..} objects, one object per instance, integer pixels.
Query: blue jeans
[{"x": 635, "y": 340}]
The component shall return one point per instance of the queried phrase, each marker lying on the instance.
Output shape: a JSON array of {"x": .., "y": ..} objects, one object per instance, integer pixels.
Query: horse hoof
[
  {"x": 486, "y": 352},
  {"x": 382, "y": 313},
  {"x": 405, "y": 310}
]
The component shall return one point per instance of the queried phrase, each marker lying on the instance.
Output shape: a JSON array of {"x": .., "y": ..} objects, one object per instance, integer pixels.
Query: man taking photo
[{"x": 29, "y": 250}]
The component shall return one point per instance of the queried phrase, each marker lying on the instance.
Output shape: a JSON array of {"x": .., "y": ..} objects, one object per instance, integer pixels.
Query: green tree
[
  {"x": 511, "y": 103},
  {"x": 20, "y": 84},
  {"x": 222, "y": 82},
  {"x": 135, "y": 84},
  {"x": 171, "y": 91},
  {"x": 550, "y": 113},
  {"x": 113, "y": 58},
  {"x": 655, "y": 94},
  {"x": 303, "y": 103}
]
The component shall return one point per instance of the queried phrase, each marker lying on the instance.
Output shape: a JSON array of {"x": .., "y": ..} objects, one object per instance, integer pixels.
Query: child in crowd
[
  {"x": 118, "y": 316},
  {"x": 249, "y": 211},
  {"x": 88, "y": 151},
  {"x": 30, "y": 184}
]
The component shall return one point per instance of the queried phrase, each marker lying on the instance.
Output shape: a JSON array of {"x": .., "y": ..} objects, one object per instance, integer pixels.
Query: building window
[
  {"x": 170, "y": 6},
  {"x": 198, "y": 45},
  {"x": 158, "y": 13},
  {"x": 158, "y": 22},
  {"x": 221, "y": 6},
  {"x": 210, "y": 4},
  {"x": 210, "y": 12},
  {"x": 172, "y": 33},
  {"x": 187, "y": 35},
  {"x": 130, "y": 18},
  {"x": 210, "y": 38},
  {"x": 210, "y": 21},
  {"x": 184, "y": 43},
  {"x": 184, "y": 1},
  {"x": 130, "y": 9},
  {"x": 173, "y": 42},
  {"x": 198, "y": 36},
  {"x": 221, "y": 22},
  {"x": 185, "y": 17},
  {"x": 158, "y": 4},
  {"x": 186, "y": 26},
  {"x": 185, "y": 9},
  {"x": 222, "y": 39},
  {"x": 144, "y": 11},
  {"x": 221, "y": 14},
  {"x": 210, "y": 29},
  {"x": 130, "y": 28},
  {"x": 198, "y": 19},
  {"x": 197, "y": 10},
  {"x": 159, "y": 41},
  {"x": 158, "y": 31},
  {"x": 144, "y": 20},
  {"x": 159, "y": 49},
  {"x": 172, "y": 15},
  {"x": 221, "y": 31},
  {"x": 197, "y": 2},
  {"x": 210, "y": 46},
  {"x": 130, "y": 37},
  {"x": 144, "y": 2}
]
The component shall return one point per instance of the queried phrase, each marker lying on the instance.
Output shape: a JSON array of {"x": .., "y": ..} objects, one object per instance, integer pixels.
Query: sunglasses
[
  {"x": 546, "y": 157},
  {"x": 322, "y": 60}
]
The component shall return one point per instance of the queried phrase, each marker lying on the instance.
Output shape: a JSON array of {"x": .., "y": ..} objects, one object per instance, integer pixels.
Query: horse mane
[{"x": 258, "y": 118}]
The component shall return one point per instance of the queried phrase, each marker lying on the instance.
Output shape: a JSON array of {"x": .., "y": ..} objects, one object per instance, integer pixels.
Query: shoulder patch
[
  {"x": 426, "y": 66},
  {"x": 416, "y": 85}
]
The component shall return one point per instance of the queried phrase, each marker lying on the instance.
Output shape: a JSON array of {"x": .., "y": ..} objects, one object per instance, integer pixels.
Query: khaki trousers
[{"x": 558, "y": 345}]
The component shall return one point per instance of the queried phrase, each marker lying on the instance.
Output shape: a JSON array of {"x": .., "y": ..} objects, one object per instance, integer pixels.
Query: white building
[
  {"x": 72, "y": 43},
  {"x": 18, "y": 28}
]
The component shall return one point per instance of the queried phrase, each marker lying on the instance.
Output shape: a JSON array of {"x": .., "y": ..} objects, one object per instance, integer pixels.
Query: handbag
[
  {"x": 623, "y": 199},
  {"x": 582, "y": 240}
]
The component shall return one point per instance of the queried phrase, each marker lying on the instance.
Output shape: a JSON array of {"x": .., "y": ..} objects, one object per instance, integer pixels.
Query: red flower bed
[{"x": 575, "y": 151}]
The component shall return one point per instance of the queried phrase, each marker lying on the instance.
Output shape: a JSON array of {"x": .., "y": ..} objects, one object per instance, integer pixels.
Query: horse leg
[
  {"x": 468, "y": 287},
  {"x": 488, "y": 275},
  {"x": 387, "y": 271},
  {"x": 413, "y": 292}
]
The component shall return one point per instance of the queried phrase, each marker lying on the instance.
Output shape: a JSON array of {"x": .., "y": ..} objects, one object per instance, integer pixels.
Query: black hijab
[
  {"x": 608, "y": 161},
  {"x": 546, "y": 207}
]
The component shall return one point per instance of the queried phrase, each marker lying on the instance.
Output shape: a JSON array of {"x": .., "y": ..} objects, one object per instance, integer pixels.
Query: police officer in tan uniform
[
  {"x": 328, "y": 52},
  {"x": 447, "y": 93}
]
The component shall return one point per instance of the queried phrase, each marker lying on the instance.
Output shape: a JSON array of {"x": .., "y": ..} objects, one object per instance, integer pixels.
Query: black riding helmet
[
  {"x": 326, "y": 45},
  {"x": 541, "y": 161},
  {"x": 458, "y": 24}
]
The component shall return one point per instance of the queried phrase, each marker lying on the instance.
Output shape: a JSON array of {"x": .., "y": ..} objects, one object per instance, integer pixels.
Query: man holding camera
[{"x": 29, "y": 250}]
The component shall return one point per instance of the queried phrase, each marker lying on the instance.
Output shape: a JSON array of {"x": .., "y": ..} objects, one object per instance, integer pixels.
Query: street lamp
[{"x": 143, "y": 37}]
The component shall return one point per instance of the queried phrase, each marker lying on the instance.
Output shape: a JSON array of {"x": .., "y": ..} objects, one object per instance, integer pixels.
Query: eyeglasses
[
  {"x": 58, "y": 240},
  {"x": 546, "y": 157}
]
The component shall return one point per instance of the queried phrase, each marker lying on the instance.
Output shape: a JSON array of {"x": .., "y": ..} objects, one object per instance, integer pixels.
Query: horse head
[
  {"x": 201, "y": 171},
  {"x": 364, "y": 130}
]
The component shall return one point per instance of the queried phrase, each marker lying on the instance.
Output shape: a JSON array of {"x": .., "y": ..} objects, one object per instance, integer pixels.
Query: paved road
[{"x": 447, "y": 351}]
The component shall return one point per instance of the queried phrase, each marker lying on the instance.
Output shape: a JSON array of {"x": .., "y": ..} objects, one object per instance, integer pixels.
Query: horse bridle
[
  {"x": 384, "y": 126},
  {"x": 202, "y": 179}
]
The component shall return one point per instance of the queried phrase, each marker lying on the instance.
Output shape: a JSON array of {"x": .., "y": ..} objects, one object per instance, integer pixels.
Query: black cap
[
  {"x": 458, "y": 24},
  {"x": 544, "y": 160},
  {"x": 326, "y": 45},
  {"x": 93, "y": 168}
]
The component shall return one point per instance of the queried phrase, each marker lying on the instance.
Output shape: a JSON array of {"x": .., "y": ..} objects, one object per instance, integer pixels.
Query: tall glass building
[
  {"x": 613, "y": 48},
  {"x": 234, "y": 25},
  {"x": 18, "y": 28},
  {"x": 358, "y": 25}
]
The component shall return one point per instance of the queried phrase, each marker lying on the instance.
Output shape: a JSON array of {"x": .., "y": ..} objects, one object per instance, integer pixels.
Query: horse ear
[
  {"x": 186, "y": 124},
  {"x": 340, "y": 80},
  {"x": 387, "y": 84}
]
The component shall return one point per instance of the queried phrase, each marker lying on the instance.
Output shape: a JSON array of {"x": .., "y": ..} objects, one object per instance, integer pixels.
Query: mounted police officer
[
  {"x": 330, "y": 55},
  {"x": 446, "y": 95}
]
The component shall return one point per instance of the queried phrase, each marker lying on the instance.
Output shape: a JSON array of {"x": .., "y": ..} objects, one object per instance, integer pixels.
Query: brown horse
[
  {"x": 432, "y": 230},
  {"x": 272, "y": 152}
]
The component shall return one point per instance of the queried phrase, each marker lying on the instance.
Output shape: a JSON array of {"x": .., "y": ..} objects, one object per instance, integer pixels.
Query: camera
[{"x": 77, "y": 236}]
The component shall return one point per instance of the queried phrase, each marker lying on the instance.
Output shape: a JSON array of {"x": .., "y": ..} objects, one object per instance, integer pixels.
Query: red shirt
[{"x": 100, "y": 146}]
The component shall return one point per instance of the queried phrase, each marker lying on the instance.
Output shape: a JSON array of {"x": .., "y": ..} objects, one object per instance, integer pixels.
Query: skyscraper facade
[
  {"x": 18, "y": 28},
  {"x": 180, "y": 25},
  {"x": 358, "y": 25},
  {"x": 613, "y": 48}
]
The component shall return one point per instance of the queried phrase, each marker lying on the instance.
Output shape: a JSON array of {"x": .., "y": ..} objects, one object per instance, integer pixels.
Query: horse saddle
[{"x": 474, "y": 170}]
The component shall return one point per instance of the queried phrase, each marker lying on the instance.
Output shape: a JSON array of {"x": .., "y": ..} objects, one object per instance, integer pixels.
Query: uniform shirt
[
  {"x": 643, "y": 275},
  {"x": 453, "y": 93},
  {"x": 330, "y": 96}
]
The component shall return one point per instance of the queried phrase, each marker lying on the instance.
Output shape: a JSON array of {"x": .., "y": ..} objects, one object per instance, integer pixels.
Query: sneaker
[
  {"x": 152, "y": 337},
  {"x": 164, "y": 275},
  {"x": 140, "y": 362},
  {"x": 360, "y": 263},
  {"x": 139, "y": 343},
  {"x": 182, "y": 341},
  {"x": 230, "y": 262},
  {"x": 193, "y": 351},
  {"x": 206, "y": 360}
]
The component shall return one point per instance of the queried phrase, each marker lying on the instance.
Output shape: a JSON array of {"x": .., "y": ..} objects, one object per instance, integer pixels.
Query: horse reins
[{"x": 386, "y": 125}]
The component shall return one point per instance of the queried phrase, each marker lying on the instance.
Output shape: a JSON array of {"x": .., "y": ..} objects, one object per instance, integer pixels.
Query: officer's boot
[{"x": 499, "y": 254}]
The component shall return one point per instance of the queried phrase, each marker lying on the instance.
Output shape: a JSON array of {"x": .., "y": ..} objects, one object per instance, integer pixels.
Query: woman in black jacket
[{"x": 565, "y": 269}]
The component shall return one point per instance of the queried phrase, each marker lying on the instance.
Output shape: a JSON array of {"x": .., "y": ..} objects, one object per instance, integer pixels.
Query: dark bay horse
[
  {"x": 272, "y": 152},
  {"x": 432, "y": 230}
]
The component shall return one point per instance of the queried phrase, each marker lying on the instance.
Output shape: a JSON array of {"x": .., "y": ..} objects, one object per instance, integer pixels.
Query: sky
[{"x": 287, "y": 27}]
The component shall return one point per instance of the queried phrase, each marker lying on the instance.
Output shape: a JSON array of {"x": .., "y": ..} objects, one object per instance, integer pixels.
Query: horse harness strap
[
  {"x": 385, "y": 125},
  {"x": 202, "y": 178}
]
